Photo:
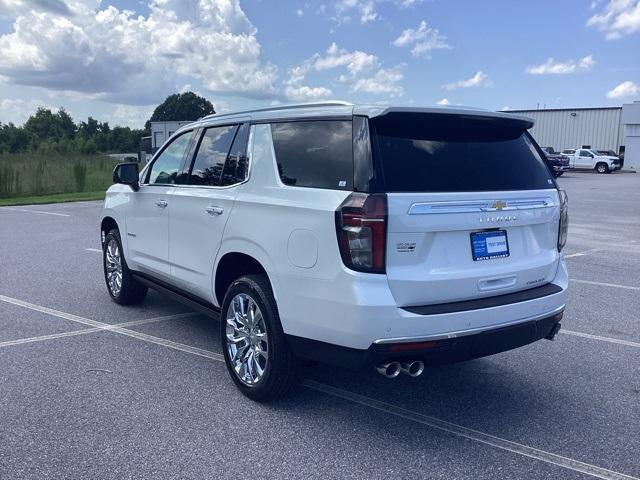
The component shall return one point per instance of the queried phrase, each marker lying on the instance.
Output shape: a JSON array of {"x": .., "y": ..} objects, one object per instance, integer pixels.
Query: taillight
[
  {"x": 564, "y": 219},
  {"x": 361, "y": 226}
]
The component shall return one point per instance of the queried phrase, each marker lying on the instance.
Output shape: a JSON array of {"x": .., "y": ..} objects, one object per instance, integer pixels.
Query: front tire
[
  {"x": 255, "y": 349},
  {"x": 602, "y": 168},
  {"x": 122, "y": 287},
  {"x": 559, "y": 174}
]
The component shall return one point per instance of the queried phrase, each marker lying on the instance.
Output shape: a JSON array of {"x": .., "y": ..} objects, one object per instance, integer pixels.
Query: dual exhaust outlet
[{"x": 413, "y": 368}]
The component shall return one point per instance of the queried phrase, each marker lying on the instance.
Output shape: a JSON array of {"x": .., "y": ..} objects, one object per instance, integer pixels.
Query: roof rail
[{"x": 330, "y": 103}]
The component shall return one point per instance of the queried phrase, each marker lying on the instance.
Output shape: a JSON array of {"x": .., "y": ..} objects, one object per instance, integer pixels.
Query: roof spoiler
[{"x": 525, "y": 122}]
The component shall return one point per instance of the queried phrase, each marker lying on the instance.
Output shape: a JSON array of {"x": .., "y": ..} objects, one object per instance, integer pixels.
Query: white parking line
[
  {"x": 97, "y": 250},
  {"x": 603, "y": 284},
  {"x": 410, "y": 415},
  {"x": 84, "y": 331},
  {"x": 469, "y": 433},
  {"x": 573, "y": 255},
  {"x": 35, "y": 211},
  {"x": 602, "y": 339}
]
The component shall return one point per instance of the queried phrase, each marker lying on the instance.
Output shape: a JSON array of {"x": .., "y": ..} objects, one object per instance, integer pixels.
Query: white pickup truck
[{"x": 584, "y": 158}]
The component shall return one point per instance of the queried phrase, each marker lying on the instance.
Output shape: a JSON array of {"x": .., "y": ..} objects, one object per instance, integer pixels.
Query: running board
[{"x": 190, "y": 301}]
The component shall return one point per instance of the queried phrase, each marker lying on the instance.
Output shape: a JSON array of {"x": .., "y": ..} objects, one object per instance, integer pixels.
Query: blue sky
[{"x": 116, "y": 60}]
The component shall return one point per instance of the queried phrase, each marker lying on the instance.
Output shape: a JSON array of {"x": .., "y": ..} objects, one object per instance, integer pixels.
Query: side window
[
  {"x": 314, "y": 153},
  {"x": 235, "y": 170},
  {"x": 165, "y": 168},
  {"x": 211, "y": 156},
  {"x": 584, "y": 153}
]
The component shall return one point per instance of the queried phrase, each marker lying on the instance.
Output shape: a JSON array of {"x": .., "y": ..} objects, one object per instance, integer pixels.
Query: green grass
[
  {"x": 55, "y": 198},
  {"x": 25, "y": 175}
]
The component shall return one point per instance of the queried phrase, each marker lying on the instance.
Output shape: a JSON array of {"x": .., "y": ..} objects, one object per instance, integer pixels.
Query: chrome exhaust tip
[
  {"x": 389, "y": 369},
  {"x": 413, "y": 369}
]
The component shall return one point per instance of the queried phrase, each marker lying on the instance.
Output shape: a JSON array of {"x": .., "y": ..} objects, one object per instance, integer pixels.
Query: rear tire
[
  {"x": 602, "y": 168},
  {"x": 256, "y": 352},
  {"x": 122, "y": 287}
]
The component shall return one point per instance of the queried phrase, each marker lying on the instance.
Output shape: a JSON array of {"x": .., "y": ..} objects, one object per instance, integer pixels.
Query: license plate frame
[{"x": 482, "y": 248}]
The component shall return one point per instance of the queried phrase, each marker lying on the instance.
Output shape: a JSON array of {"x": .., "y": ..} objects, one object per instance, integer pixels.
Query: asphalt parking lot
[{"x": 91, "y": 389}]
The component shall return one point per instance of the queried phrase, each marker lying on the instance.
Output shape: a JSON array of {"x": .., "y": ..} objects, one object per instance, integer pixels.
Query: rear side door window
[
  {"x": 211, "y": 155},
  {"x": 237, "y": 165},
  {"x": 166, "y": 166},
  {"x": 316, "y": 154}
]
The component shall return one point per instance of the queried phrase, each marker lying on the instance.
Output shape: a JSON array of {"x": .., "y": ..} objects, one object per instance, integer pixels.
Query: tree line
[
  {"x": 49, "y": 132},
  {"x": 55, "y": 132}
]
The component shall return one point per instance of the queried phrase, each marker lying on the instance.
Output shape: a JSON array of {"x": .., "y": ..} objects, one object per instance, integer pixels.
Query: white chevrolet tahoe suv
[{"x": 351, "y": 235}]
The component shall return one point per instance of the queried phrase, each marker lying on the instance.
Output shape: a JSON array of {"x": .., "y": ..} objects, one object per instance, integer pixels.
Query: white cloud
[
  {"x": 554, "y": 67},
  {"x": 364, "y": 10},
  {"x": 383, "y": 81},
  {"x": 422, "y": 40},
  {"x": 299, "y": 12},
  {"x": 443, "y": 101},
  {"x": 626, "y": 89},
  {"x": 480, "y": 79},
  {"x": 11, "y": 8},
  {"x": 305, "y": 93},
  {"x": 355, "y": 61},
  {"x": 133, "y": 116},
  {"x": 360, "y": 71},
  {"x": 17, "y": 110},
  {"x": 617, "y": 19},
  {"x": 294, "y": 89},
  {"x": 124, "y": 58}
]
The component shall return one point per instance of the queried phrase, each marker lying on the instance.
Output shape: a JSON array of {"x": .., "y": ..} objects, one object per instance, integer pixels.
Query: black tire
[
  {"x": 559, "y": 174},
  {"x": 283, "y": 371},
  {"x": 131, "y": 291},
  {"x": 602, "y": 167}
]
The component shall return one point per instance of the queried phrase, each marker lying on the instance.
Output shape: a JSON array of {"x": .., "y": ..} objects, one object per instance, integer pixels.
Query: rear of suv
[{"x": 349, "y": 235}]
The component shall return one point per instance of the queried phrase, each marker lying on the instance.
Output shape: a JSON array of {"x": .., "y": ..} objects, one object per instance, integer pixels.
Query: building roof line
[{"x": 560, "y": 109}]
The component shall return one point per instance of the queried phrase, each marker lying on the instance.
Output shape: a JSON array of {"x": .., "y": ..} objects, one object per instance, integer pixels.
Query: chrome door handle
[
  {"x": 214, "y": 210},
  {"x": 161, "y": 203}
]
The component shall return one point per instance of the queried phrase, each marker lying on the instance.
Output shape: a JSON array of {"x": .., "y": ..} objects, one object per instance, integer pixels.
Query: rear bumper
[{"x": 433, "y": 351}]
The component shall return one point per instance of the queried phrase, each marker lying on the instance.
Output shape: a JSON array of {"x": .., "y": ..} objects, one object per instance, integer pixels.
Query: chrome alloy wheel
[
  {"x": 247, "y": 341},
  {"x": 113, "y": 267}
]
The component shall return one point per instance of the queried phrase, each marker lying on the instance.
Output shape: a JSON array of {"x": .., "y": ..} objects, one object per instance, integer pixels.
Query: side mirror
[{"x": 127, "y": 174}]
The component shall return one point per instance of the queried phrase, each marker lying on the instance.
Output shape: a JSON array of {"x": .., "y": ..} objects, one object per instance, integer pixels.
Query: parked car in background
[
  {"x": 587, "y": 159},
  {"x": 559, "y": 163},
  {"x": 386, "y": 237}
]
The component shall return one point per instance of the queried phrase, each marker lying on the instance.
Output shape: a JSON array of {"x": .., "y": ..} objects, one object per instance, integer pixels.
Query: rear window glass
[
  {"x": 314, "y": 153},
  {"x": 452, "y": 153}
]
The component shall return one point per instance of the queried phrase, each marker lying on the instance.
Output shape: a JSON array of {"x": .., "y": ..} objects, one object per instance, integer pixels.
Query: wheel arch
[
  {"x": 236, "y": 262},
  {"x": 108, "y": 223}
]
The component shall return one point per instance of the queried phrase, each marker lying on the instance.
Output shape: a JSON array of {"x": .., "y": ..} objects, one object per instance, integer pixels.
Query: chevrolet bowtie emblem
[{"x": 498, "y": 205}]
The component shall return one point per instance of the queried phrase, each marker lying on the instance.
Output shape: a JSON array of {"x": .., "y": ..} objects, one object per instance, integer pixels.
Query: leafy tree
[
  {"x": 46, "y": 125},
  {"x": 180, "y": 107},
  {"x": 13, "y": 139},
  {"x": 55, "y": 133},
  {"x": 88, "y": 129}
]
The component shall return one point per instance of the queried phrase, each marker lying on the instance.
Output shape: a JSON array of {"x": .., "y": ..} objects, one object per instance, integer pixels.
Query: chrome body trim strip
[
  {"x": 475, "y": 206},
  {"x": 464, "y": 333}
]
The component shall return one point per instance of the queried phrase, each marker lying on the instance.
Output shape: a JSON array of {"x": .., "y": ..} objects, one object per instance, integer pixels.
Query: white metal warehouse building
[{"x": 606, "y": 128}]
